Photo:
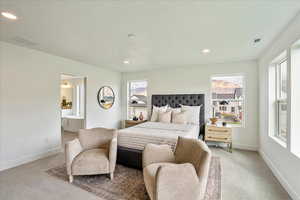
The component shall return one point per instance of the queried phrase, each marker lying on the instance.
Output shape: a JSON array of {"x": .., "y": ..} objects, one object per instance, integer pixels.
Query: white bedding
[{"x": 137, "y": 137}]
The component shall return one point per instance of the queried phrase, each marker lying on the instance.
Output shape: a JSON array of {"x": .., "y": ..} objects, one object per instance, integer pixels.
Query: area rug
[{"x": 128, "y": 183}]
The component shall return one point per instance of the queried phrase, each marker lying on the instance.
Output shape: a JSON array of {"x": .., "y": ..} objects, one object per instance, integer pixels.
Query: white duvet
[{"x": 156, "y": 133}]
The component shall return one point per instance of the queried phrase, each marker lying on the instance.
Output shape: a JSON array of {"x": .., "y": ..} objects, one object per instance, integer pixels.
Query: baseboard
[
  {"x": 28, "y": 158},
  {"x": 245, "y": 147},
  {"x": 293, "y": 194},
  {"x": 235, "y": 146}
]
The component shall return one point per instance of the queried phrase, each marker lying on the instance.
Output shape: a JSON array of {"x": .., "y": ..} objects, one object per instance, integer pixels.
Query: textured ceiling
[{"x": 167, "y": 33}]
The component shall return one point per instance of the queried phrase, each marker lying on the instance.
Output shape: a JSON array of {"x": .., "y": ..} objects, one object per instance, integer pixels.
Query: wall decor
[{"x": 106, "y": 97}]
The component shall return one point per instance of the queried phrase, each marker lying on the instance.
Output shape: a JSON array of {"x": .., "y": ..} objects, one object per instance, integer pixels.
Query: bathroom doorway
[{"x": 72, "y": 105}]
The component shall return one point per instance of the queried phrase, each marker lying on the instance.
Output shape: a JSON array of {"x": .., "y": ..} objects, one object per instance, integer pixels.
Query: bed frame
[{"x": 133, "y": 157}]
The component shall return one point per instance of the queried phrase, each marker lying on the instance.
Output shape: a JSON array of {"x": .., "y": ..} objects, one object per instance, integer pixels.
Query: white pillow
[
  {"x": 156, "y": 110},
  {"x": 164, "y": 117},
  {"x": 193, "y": 113},
  {"x": 179, "y": 117},
  {"x": 174, "y": 110}
]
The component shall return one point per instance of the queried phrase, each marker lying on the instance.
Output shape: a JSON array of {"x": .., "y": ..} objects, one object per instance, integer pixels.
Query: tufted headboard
[{"x": 174, "y": 100}]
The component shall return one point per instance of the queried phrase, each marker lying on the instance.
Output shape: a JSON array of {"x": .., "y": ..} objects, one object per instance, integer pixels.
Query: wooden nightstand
[
  {"x": 129, "y": 123},
  {"x": 222, "y": 134}
]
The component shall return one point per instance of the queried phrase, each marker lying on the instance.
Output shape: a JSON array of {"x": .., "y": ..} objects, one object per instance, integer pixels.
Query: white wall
[
  {"x": 30, "y": 102},
  {"x": 196, "y": 79},
  {"x": 283, "y": 163}
]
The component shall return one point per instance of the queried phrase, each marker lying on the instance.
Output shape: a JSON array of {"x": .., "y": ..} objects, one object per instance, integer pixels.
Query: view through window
[
  {"x": 228, "y": 99},
  {"x": 137, "y": 99},
  {"x": 278, "y": 95},
  {"x": 282, "y": 99}
]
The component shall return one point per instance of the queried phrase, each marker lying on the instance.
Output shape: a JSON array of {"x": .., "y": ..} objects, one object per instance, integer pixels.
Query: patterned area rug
[{"x": 128, "y": 183}]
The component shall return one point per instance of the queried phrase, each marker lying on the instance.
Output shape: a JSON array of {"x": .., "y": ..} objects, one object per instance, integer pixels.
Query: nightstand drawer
[
  {"x": 218, "y": 139},
  {"x": 218, "y": 134},
  {"x": 219, "y": 130}
]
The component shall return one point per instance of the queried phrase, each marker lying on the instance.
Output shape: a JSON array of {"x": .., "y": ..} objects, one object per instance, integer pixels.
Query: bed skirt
[{"x": 130, "y": 157}]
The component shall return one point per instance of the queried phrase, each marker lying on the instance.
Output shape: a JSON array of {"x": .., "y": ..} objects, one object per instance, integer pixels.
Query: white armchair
[
  {"x": 95, "y": 152},
  {"x": 179, "y": 176}
]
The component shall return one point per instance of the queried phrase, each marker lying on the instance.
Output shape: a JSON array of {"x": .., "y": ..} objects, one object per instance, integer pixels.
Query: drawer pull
[
  {"x": 216, "y": 130},
  {"x": 224, "y": 138}
]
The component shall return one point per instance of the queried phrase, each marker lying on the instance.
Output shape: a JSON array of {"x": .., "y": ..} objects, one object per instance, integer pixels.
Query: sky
[{"x": 233, "y": 79}]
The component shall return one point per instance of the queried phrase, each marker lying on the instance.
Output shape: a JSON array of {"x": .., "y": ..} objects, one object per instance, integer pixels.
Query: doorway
[{"x": 72, "y": 106}]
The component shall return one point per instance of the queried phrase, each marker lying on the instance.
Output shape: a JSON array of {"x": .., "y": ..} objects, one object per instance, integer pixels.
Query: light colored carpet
[
  {"x": 245, "y": 176},
  {"x": 128, "y": 183}
]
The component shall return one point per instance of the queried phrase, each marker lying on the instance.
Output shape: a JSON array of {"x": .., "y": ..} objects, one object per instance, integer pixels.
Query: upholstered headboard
[{"x": 174, "y": 100}]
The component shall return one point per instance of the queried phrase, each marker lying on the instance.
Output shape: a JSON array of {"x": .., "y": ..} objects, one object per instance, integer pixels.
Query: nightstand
[
  {"x": 129, "y": 123},
  {"x": 222, "y": 134}
]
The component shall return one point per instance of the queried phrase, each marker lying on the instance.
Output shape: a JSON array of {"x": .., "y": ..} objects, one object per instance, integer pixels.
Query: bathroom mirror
[{"x": 106, "y": 97}]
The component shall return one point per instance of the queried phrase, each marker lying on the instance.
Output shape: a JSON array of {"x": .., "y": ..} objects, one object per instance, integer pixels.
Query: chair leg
[
  {"x": 111, "y": 176},
  {"x": 230, "y": 147},
  {"x": 71, "y": 178}
]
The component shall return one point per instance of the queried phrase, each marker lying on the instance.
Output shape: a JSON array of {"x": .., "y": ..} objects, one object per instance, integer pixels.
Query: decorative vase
[
  {"x": 213, "y": 120},
  {"x": 141, "y": 117}
]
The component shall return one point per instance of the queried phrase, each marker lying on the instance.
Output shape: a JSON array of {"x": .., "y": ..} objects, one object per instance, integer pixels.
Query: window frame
[
  {"x": 278, "y": 96},
  {"x": 128, "y": 94},
  {"x": 291, "y": 144},
  {"x": 243, "y": 75},
  {"x": 274, "y": 61},
  {"x": 279, "y": 77}
]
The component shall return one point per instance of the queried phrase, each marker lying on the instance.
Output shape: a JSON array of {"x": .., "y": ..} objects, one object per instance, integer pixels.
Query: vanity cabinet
[{"x": 72, "y": 124}]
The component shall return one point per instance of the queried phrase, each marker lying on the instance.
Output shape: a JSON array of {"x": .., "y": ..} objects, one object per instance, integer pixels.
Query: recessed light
[
  {"x": 126, "y": 61},
  {"x": 257, "y": 40},
  {"x": 8, "y": 15},
  {"x": 206, "y": 51},
  {"x": 131, "y": 35}
]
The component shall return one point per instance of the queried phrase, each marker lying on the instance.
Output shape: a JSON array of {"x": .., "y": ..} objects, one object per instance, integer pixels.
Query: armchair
[
  {"x": 176, "y": 176},
  {"x": 94, "y": 152}
]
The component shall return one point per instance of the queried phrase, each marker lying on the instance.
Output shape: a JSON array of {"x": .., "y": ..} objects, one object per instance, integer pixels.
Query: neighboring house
[{"x": 228, "y": 105}]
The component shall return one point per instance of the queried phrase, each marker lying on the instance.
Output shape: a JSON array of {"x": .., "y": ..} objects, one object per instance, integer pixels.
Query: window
[
  {"x": 284, "y": 97},
  {"x": 295, "y": 99},
  {"x": 228, "y": 99},
  {"x": 278, "y": 97},
  {"x": 232, "y": 109},
  {"x": 137, "y": 99}
]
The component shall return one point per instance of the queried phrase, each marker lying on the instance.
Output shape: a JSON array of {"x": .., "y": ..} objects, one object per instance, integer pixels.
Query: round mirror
[{"x": 106, "y": 97}]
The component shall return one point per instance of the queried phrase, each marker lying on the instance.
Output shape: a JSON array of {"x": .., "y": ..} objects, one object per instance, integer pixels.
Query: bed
[
  {"x": 131, "y": 141},
  {"x": 137, "y": 137}
]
